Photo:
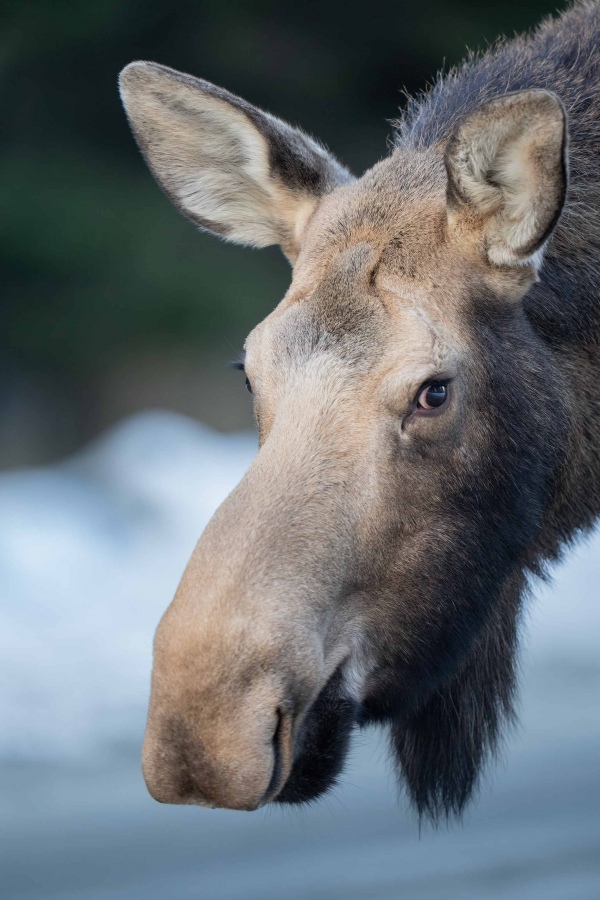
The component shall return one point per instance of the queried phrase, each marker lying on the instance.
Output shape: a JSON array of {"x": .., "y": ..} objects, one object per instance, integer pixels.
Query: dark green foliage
[{"x": 95, "y": 263}]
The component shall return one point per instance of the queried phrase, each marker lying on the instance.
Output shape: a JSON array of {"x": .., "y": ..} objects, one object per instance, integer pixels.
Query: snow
[{"x": 91, "y": 552}]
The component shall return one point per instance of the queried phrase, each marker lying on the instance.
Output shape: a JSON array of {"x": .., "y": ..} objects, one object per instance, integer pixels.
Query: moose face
[{"x": 368, "y": 567}]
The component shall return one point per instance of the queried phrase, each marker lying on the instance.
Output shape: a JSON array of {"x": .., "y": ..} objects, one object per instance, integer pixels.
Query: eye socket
[{"x": 433, "y": 397}]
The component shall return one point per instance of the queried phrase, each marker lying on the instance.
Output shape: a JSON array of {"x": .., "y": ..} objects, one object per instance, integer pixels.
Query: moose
[{"x": 427, "y": 398}]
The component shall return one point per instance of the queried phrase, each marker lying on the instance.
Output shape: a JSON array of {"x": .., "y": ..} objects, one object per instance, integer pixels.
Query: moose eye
[
  {"x": 239, "y": 365},
  {"x": 433, "y": 397}
]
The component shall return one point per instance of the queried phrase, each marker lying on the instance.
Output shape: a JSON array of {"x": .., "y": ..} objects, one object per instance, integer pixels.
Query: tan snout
[
  {"x": 221, "y": 745},
  {"x": 251, "y": 638},
  {"x": 236, "y": 667},
  {"x": 227, "y": 701}
]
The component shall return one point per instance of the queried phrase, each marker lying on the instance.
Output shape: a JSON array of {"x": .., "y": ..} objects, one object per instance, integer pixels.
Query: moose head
[{"x": 369, "y": 567}]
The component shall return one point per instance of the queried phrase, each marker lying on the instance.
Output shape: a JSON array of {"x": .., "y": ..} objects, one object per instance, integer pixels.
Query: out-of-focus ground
[{"x": 90, "y": 554}]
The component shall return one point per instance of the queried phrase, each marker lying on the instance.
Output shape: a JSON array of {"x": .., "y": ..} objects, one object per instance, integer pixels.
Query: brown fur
[{"x": 370, "y": 566}]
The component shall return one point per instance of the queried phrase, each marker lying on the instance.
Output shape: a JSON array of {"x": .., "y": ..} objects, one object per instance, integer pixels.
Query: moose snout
[
  {"x": 244, "y": 651},
  {"x": 225, "y": 712},
  {"x": 241, "y": 767}
]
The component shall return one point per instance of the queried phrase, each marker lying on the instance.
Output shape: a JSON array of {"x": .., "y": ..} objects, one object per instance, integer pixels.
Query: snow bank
[{"x": 91, "y": 552}]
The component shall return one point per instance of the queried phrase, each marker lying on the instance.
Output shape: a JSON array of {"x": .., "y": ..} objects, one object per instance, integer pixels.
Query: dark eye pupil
[
  {"x": 248, "y": 385},
  {"x": 436, "y": 395}
]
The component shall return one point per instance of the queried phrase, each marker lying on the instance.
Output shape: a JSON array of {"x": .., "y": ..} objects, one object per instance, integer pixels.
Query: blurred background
[{"x": 121, "y": 429}]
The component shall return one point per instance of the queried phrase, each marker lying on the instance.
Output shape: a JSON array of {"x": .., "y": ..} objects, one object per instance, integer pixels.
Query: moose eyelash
[{"x": 239, "y": 364}]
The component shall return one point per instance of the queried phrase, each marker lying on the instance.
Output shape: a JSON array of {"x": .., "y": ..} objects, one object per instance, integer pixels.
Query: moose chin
[{"x": 426, "y": 397}]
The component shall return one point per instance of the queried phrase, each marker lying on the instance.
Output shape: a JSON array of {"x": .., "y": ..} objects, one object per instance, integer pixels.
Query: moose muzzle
[{"x": 245, "y": 650}]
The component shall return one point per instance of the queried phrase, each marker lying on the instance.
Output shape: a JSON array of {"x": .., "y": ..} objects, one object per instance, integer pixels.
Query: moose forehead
[
  {"x": 360, "y": 314},
  {"x": 374, "y": 271},
  {"x": 398, "y": 206}
]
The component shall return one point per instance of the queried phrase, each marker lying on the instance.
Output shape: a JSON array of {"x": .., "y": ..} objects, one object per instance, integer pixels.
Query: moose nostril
[{"x": 276, "y": 741}]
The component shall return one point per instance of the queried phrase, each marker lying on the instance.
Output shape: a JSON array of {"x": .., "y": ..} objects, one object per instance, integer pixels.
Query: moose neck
[{"x": 564, "y": 306}]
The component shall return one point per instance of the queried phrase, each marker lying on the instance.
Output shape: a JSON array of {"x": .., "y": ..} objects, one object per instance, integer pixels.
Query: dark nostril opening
[
  {"x": 322, "y": 744},
  {"x": 277, "y": 760}
]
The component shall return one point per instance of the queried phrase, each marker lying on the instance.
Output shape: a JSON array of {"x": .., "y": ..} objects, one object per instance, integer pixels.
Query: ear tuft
[
  {"x": 507, "y": 168},
  {"x": 232, "y": 168}
]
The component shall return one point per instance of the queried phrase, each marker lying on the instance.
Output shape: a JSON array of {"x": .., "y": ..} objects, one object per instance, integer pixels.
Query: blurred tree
[{"x": 97, "y": 268}]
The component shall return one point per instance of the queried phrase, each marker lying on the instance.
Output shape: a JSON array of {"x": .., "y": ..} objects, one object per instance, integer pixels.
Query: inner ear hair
[{"x": 507, "y": 170}]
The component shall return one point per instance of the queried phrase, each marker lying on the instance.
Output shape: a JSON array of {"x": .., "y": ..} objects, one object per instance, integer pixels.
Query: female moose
[{"x": 426, "y": 396}]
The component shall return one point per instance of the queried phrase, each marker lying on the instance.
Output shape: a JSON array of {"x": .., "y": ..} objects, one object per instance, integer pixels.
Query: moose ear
[
  {"x": 233, "y": 169},
  {"x": 507, "y": 169}
]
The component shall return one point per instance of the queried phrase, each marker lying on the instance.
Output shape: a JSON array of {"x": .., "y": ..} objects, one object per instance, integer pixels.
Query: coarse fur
[{"x": 371, "y": 566}]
